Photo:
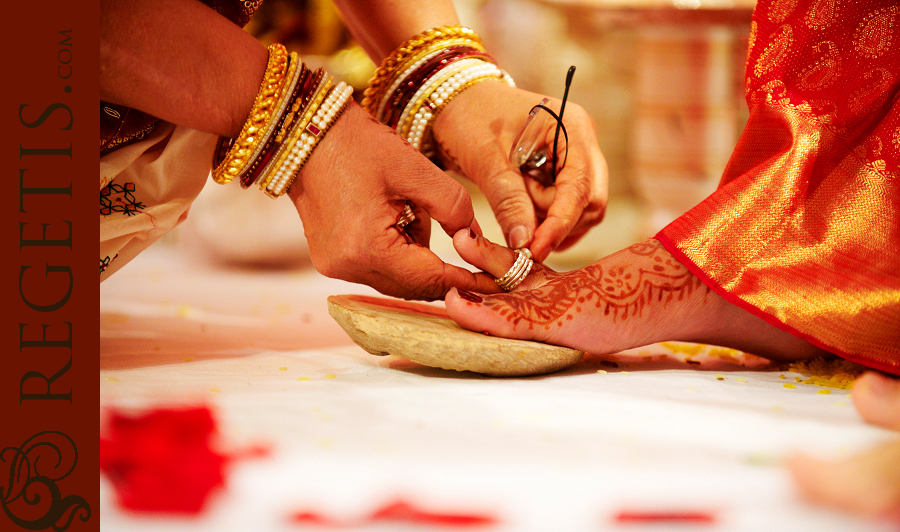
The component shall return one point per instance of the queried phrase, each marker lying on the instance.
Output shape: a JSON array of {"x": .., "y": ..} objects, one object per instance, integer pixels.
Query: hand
[
  {"x": 475, "y": 133},
  {"x": 349, "y": 196}
]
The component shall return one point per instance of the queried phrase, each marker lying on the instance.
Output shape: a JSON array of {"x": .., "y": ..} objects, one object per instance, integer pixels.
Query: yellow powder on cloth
[
  {"x": 831, "y": 373},
  {"x": 686, "y": 348},
  {"x": 724, "y": 352}
]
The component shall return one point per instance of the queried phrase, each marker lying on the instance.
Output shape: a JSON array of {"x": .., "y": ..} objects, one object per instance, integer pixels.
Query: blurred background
[{"x": 662, "y": 79}]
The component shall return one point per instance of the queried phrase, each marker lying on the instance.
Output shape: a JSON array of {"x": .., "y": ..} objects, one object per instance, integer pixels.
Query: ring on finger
[
  {"x": 406, "y": 217},
  {"x": 518, "y": 272}
]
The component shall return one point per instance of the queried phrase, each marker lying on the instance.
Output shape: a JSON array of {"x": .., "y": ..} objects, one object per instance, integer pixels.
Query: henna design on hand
[
  {"x": 392, "y": 132},
  {"x": 651, "y": 277},
  {"x": 446, "y": 159}
]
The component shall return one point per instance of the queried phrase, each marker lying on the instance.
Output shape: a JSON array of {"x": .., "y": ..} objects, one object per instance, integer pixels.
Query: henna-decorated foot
[{"x": 637, "y": 296}]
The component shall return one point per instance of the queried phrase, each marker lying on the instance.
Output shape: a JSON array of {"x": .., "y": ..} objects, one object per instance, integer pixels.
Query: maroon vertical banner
[{"x": 49, "y": 329}]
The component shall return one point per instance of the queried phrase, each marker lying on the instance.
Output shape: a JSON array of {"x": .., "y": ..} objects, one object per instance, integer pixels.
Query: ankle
[
  {"x": 666, "y": 301},
  {"x": 726, "y": 324}
]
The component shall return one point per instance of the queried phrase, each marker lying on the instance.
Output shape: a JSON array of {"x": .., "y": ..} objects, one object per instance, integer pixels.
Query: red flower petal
[{"x": 162, "y": 461}]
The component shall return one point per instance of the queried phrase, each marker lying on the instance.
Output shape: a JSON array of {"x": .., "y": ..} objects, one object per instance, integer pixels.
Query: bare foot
[
  {"x": 868, "y": 483},
  {"x": 877, "y": 399},
  {"x": 638, "y": 296}
]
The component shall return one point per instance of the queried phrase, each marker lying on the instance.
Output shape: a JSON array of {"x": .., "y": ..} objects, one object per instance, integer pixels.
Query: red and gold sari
[{"x": 804, "y": 229}]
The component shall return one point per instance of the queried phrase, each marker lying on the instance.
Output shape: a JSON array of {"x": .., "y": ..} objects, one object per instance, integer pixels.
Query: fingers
[
  {"x": 397, "y": 267},
  {"x": 481, "y": 313},
  {"x": 427, "y": 278},
  {"x": 483, "y": 254},
  {"x": 512, "y": 205},
  {"x": 495, "y": 259},
  {"x": 350, "y": 204},
  {"x": 579, "y": 195},
  {"x": 438, "y": 194},
  {"x": 402, "y": 266},
  {"x": 419, "y": 230},
  {"x": 480, "y": 149},
  {"x": 868, "y": 483},
  {"x": 877, "y": 399}
]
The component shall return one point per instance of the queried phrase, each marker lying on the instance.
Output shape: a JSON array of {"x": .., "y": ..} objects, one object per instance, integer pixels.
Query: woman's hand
[
  {"x": 475, "y": 133},
  {"x": 350, "y": 195}
]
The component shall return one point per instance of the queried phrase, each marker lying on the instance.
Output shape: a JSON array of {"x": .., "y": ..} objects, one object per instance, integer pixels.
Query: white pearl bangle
[
  {"x": 423, "y": 119},
  {"x": 293, "y": 76},
  {"x": 279, "y": 162},
  {"x": 326, "y": 114},
  {"x": 435, "y": 81},
  {"x": 379, "y": 115}
]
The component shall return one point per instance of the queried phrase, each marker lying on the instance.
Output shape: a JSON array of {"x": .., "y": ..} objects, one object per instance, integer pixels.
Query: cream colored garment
[{"x": 146, "y": 190}]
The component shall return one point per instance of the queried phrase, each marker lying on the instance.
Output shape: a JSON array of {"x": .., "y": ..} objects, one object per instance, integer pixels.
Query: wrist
[
  {"x": 292, "y": 111},
  {"x": 453, "y": 129}
]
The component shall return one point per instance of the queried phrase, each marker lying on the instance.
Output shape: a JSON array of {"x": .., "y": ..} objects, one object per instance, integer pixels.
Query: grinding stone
[{"x": 425, "y": 334}]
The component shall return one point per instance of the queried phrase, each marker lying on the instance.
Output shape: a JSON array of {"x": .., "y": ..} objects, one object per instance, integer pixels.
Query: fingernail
[
  {"x": 518, "y": 237},
  {"x": 469, "y": 296},
  {"x": 472, "y": 233}
]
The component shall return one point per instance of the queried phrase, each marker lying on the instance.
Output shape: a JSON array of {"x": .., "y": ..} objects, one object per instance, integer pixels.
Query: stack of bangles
[
  {"x": 292, "y": 112},
  {"x": 415, "y": 82}
]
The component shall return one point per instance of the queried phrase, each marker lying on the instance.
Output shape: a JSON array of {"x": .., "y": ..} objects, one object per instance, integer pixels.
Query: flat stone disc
[{"x": 425, "y": 334}]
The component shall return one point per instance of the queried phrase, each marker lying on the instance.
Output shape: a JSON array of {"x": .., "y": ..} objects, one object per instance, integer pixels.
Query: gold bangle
[
  {"x": 269, "y": 130},
  {"x": 241, "y": 150},
  {"x": 282, "y": 163},
  {"x": 389, "y": 66},
  {"x": 299, "y": 105},
  {"x": 293, "y": 136},
  {"x": 378, "y": 90},
  {"x": 338, "y": 100},
  {"x": 441, "y": 96}
]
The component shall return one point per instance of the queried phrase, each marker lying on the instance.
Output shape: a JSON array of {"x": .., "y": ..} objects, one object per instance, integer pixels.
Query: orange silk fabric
[{"x": 804, "y": 229}]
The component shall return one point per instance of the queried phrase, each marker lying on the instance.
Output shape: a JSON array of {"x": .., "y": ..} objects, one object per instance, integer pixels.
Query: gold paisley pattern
[
  {"x": 751, "y": 42},
  {"x": 821, "y": 14},
  {"x": 874, "y": 87},
  {"x": 824, "y": 110},
  {"x": 775, "y": 91},
  {"x": 875, "y": 34},
  {"x": 825, "y": 68},
  {"x": 775, "y": 52},
  {"x": 781, "y": 9},
  {"x": 874, "y": 147}
]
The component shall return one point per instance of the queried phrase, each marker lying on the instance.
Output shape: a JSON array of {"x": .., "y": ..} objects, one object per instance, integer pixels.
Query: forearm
[
  {"x": 180, "y": 61},
  {"x": 382, "y": 25}
]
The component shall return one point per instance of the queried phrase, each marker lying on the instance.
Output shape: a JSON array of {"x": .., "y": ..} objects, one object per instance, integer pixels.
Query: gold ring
[{"x": 406, "y": 217}]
